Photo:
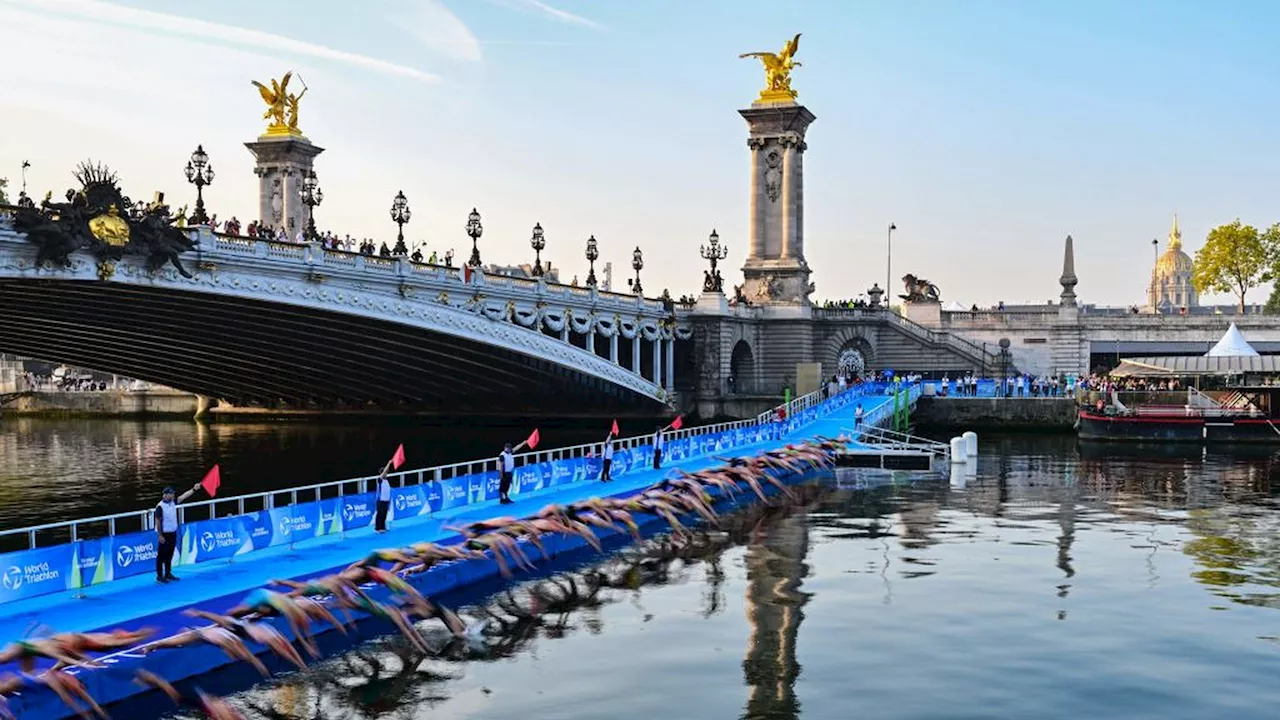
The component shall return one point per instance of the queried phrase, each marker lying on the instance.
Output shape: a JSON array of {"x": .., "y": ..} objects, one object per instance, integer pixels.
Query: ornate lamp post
[
  {"x": 1004, "y": 366},
  {"x": 474, "y": 231},
  {"x": 714, "y": 253},
  {"x": 537, "y": 242},
  {"x": 637, "y": 264},
  {"x": 312, "y": 196},
  {"x": 592, "y": 253},
  {"x": 888, "y": 263},
  {"x": 199, "y": 173},
  {"x": 400, "y": 215}
]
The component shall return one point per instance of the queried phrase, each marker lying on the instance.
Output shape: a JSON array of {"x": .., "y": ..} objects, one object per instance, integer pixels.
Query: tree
[
  {"x": 4, "y": 199},
  {"x": 1235, "y": 259}
]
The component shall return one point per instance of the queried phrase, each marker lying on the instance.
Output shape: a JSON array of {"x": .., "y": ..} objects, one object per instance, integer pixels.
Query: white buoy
[
  {"x": 958, "y": 475},
  {"x": 970, "y": 443},
  {"x": 958, "y": 454}
]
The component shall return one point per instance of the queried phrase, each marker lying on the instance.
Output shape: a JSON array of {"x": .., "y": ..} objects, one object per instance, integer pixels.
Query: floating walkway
[{"x": 138, "y": 602}]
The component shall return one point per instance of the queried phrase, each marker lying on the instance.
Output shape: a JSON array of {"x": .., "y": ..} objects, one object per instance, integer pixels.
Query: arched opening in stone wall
[
  {"x": 850, "y": 362},
  {"x": 742, "y": 369}
]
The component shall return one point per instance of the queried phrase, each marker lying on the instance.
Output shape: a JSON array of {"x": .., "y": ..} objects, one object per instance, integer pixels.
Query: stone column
[
  {"x": 756, "y": 228},
  {"x": 635, "y": 352},
  {"x": 657, "y": 361},
  {"x": 613, "y": 348},
  {"x": 564, "y": 331},
  {"x": 788, "y": 197},
  {"x": 797, "y": 171},
  {"x": 671, "y": 364},
  {"x": 591, "y": 341},
  {"x": 282, "y": 162}
]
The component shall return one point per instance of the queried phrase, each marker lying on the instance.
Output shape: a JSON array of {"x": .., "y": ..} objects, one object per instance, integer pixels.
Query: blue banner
[
  {"x": 294, "y": 523},
  {"x": 134, "y": 554},
  {"x": 93, "y": 562},
  {"x": 330, "y": 517},
  {"x": 29, "y": 573},
  {"x": 356, "y": 510},
  {"x": 435, "y": 496},
  {"x": 453, "y": 492},
  {"x": 482, "y": 486},
  {"x": 260, "y": 529},
  {"x": 408, "y": 502},
  {"x": 564, "y": 472},
  {"x": 207, "y": 540},
  {"x": 527, "y": 479}
]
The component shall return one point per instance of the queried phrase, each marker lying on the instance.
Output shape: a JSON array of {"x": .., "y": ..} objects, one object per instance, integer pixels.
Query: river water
[{"x": 1059, "y": 582}]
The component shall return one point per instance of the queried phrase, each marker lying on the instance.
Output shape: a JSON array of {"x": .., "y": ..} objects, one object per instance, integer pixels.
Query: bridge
[
  {"x": 301, "y": 327},
  {"x": 297, "y": 326}
]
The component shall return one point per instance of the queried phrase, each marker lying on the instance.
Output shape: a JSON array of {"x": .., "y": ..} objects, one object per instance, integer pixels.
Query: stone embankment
[
  {"x": 103, "y": 404},
  {"x": 1048, "y": 414}
]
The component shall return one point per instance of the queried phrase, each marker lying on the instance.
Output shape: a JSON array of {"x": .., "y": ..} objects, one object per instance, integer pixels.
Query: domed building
[{"x": 1171, "y": 288}]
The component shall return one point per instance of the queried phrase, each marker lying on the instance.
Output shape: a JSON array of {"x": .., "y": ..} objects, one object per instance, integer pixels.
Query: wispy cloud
[
  {"x": 555, "y": 13},
  {"x": 445, "y": 33},
  {"x": 105, "y": 12}
]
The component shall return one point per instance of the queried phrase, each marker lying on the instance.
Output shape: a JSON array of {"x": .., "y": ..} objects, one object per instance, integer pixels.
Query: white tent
[
  {"x": 954, "y": 306},
  {"x": 1232, "y": 344}
]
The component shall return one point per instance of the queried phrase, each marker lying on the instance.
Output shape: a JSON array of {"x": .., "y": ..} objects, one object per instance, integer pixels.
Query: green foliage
[
  {"x": 4, "y": 198},
  {"x": 1235, "y": 259},
  {"x": 1273, "y": 303}
]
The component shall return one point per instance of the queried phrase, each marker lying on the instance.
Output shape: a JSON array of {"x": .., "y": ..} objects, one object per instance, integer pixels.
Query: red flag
[
  {"x": 212, "y": 481},
  {"x": 615, "y": 427},
  {"x": 398, "y": 459},
  {"x": 533, "y": 440},
  {"x": 677, "y": 423}
]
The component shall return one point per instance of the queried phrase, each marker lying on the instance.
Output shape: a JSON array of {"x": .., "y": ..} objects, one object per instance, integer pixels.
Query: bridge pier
[{"x": 203, "y": 405}]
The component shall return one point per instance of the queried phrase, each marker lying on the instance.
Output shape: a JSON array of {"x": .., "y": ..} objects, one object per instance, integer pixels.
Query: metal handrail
[
  {"x": 403, "y": 478},
  {"x": 896, "y": 436}
]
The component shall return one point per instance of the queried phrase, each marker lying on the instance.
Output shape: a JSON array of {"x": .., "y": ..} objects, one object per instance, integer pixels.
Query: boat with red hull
[{"x": 1169, "y": 424}]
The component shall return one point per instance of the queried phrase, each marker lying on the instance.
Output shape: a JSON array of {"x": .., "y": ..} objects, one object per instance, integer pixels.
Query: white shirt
[
  {"x": 607, "y": 453},
  {"x": 508, "y": 461},
  {"x": 384, "y": 490},
  {"x": 168, "y": 516},
  {"x": 858, "y": 412},
  {"x": 658, "y": 440}
]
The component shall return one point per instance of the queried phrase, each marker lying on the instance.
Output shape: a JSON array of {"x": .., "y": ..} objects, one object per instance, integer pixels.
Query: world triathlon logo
[
  {"x": 12, "y": 578},
  {"x": 400, "y": 502},
  {"x": 124, "y": 556},
  {"x": 207, "y": 542},
  {"x": 286, "y": 525}
]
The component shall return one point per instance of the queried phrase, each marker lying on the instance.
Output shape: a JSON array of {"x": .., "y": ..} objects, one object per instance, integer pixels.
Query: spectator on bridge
[
  {"x": 166, "y": 522},
  {"x": 606, "y": 457},
  {"x": 857, "y": 417},
  {"x": 384, "y": 251},
  {"x": 658, "y": 443},
  {"x": 384, "y": 503}
]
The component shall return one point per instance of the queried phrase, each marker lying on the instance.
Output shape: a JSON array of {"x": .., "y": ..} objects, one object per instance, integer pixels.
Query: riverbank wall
[
  {"x": 58, "y": 404},
  {"x": 1041, "y": 414}
]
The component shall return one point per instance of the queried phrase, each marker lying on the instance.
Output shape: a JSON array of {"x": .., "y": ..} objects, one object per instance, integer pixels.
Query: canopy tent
[
  {"x": 953, "y": 306},
  {"x": 1232, "y": 344},
  {"x": 1202, "y": 365}
]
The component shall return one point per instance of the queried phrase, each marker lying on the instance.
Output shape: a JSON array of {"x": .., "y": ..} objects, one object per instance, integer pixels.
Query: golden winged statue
[
  {"x": 282, "y": 106},
  {"x": 777, "y": 71}
]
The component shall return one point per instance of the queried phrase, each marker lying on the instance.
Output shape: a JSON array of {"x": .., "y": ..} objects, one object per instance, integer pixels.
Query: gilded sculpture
[
  {"x": 777, "y": 71},
  {"x": 282, "y": 105},
  {"x": 110, "y": 228}
]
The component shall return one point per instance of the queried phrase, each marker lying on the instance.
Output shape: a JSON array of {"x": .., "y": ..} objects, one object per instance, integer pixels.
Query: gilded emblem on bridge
[
  {"x": 282, "y": 105},
  {"x": 777, "y": 72},
  {"x": 110, "y": 228}
]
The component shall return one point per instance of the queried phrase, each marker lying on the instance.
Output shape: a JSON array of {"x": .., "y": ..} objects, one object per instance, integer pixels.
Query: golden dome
[{"x": 1173, "y": 260}]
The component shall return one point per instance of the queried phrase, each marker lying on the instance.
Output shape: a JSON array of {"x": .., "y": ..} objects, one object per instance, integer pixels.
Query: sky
[{"x": 986, "y": 130}]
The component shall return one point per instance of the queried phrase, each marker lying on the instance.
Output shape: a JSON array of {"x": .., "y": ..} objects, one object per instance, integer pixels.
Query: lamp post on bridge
[
  {"x": 713, "y": 253},
  {"x": 474, "y": 231},
  {"x": 312, "y": 196},
  {"x": 888, "y": 267},
  {"x": 1004, "y": 367},
  {"x": 199, "y": 173},
  {"x": 637, "y": 264},
  {"x": 400, "y": 214},
  {"x": 537, "y": 242},
  {"x": 593, "y": 253}
]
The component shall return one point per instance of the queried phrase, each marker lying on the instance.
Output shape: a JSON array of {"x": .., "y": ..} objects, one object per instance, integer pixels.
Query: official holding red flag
[
  {"x": 659, "y": 441},
  {"x": 606, "y": 453},
  {"x": 384, "y": 490},
  {"x": 507, "y": 466}
]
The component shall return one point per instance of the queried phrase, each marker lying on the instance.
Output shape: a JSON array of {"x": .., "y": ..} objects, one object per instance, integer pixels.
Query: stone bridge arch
[{"x": 743, "y": 369}]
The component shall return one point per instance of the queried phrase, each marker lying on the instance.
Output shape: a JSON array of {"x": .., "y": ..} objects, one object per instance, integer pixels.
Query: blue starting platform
[{"x": 139, "y": 602}]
